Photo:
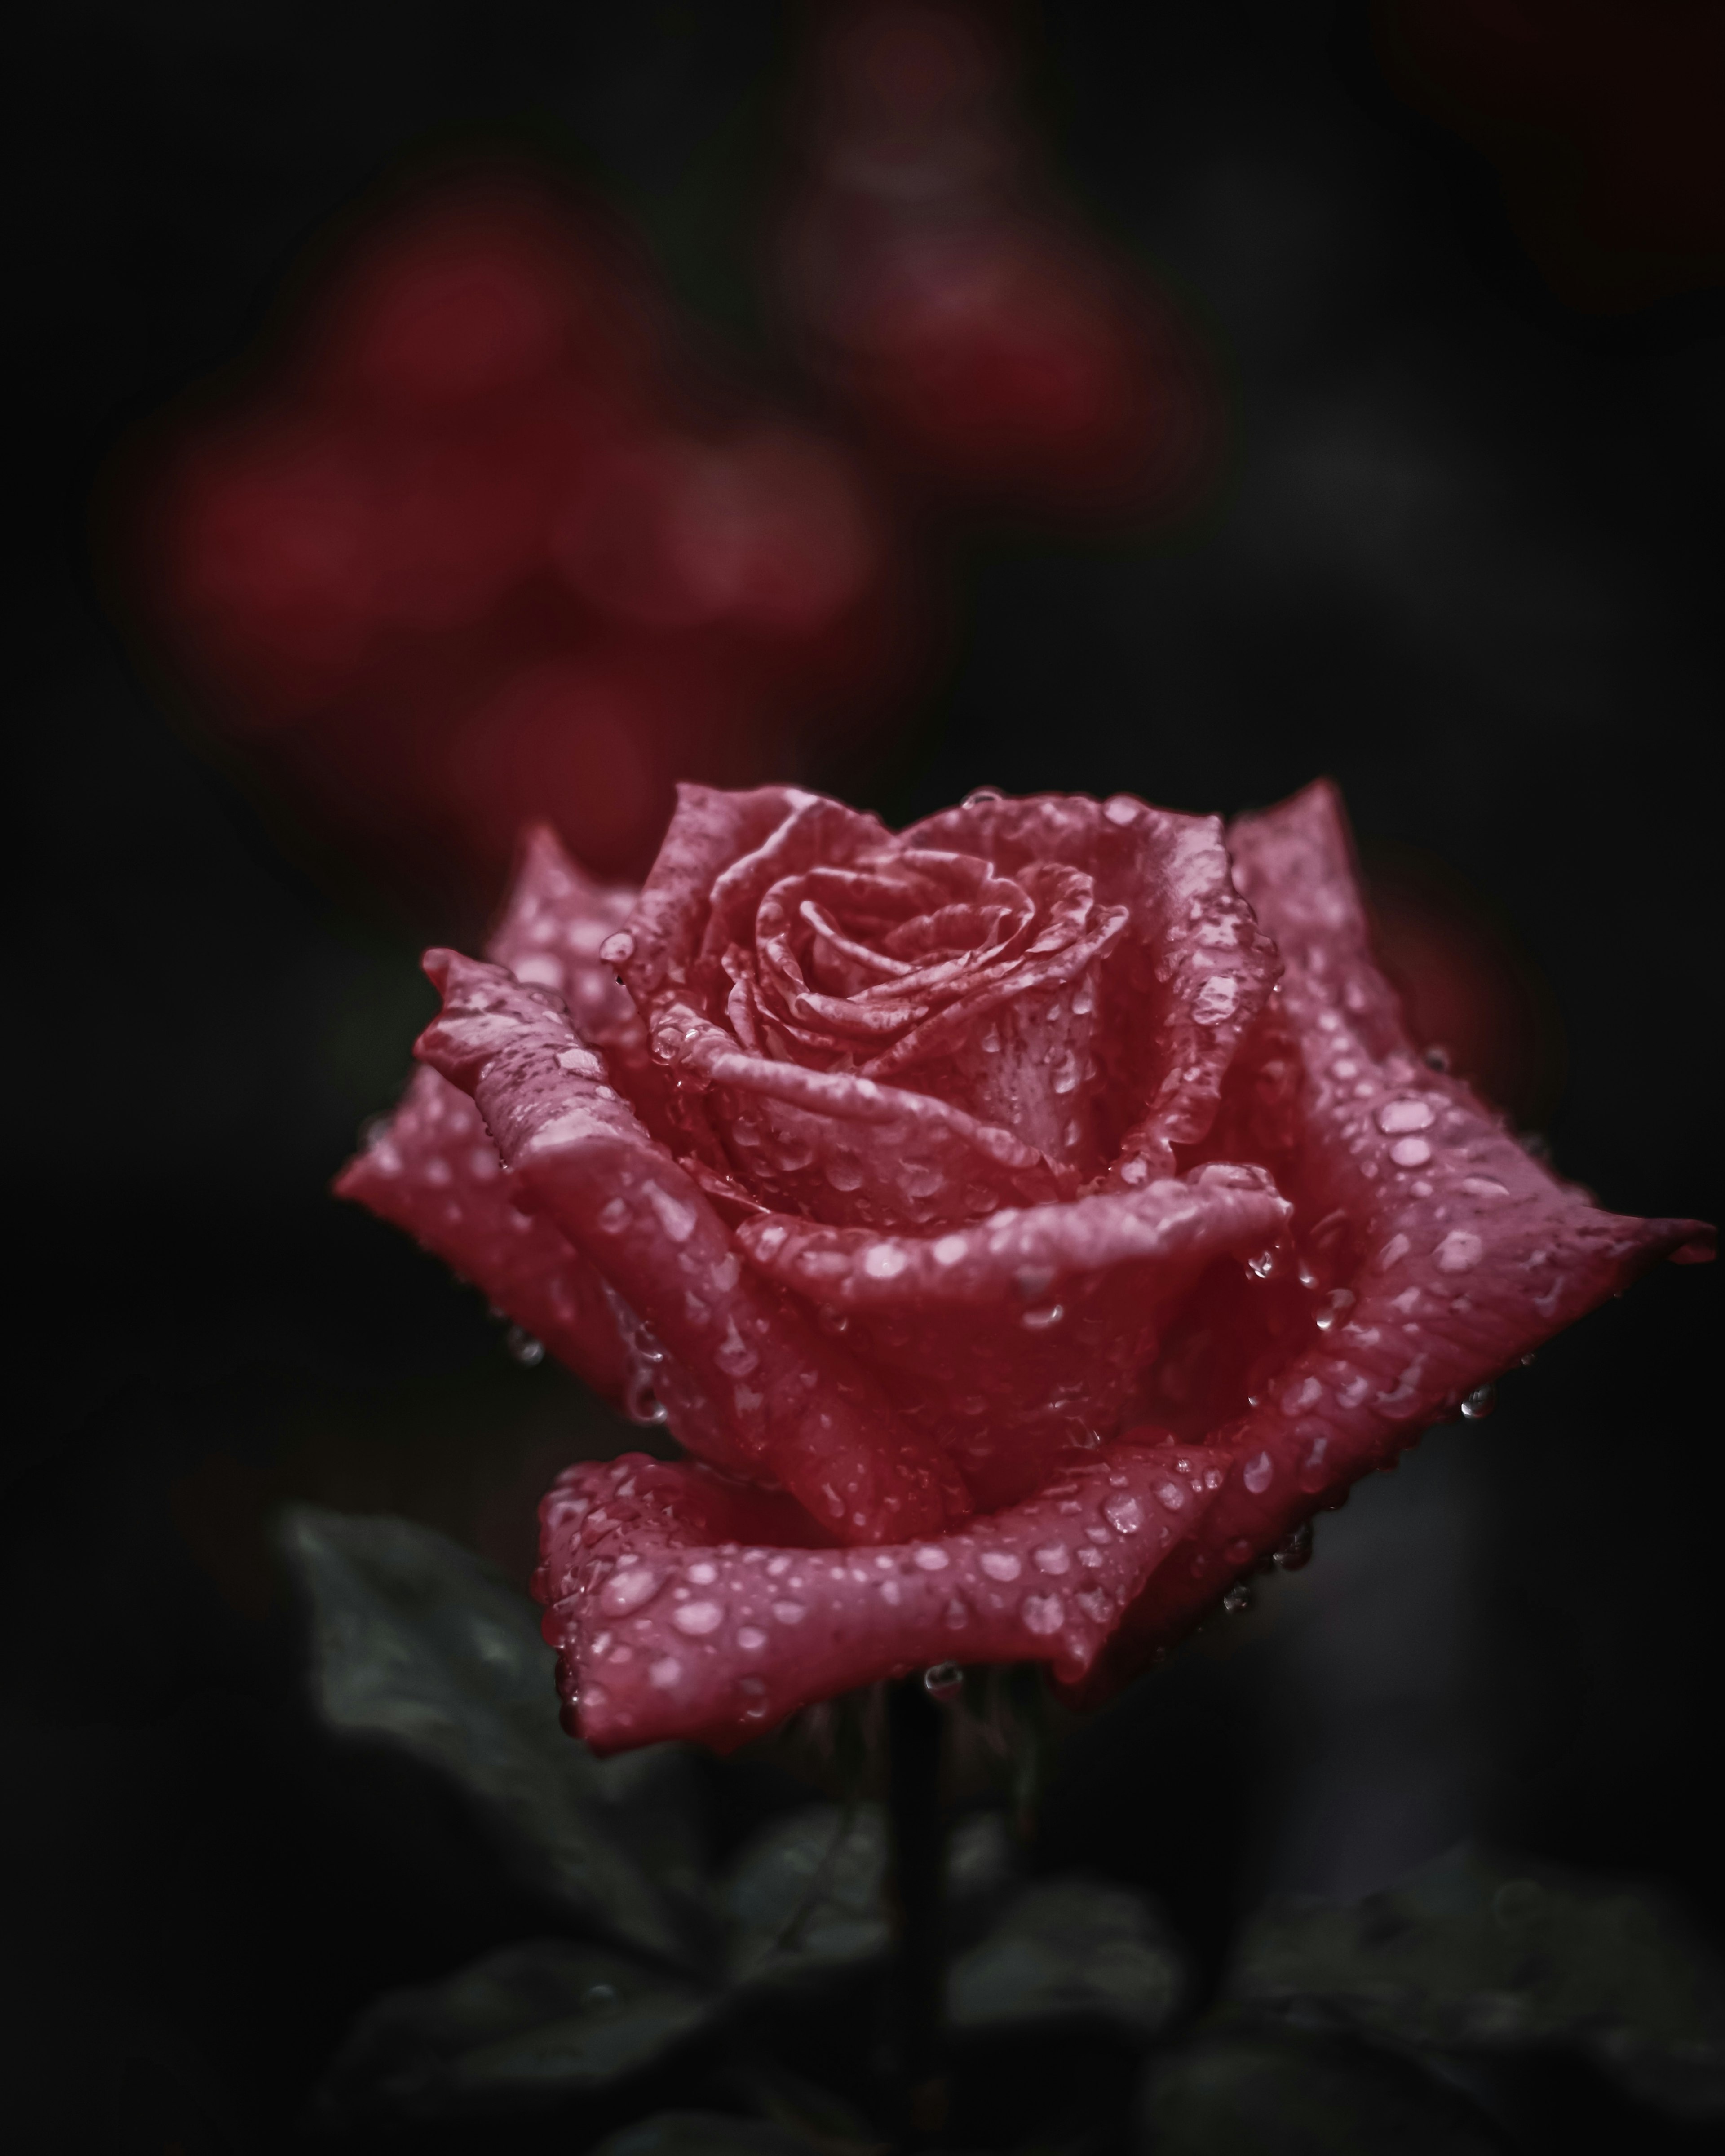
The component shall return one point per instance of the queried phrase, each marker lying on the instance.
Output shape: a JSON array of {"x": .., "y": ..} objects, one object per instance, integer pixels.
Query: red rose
[{"x": 1026, "y": 1222}]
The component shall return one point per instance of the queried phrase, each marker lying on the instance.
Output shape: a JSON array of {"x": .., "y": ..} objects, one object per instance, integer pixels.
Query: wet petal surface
[
  {"x": 677, "y": 1610},
  {"x": 1454, "y": 1251}
]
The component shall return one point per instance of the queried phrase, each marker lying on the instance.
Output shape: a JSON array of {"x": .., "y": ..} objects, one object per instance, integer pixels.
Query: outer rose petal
[
  {"x": 1471, "y": 1253},
  {"x": 677, "y": 1613},
  {"x": 798, "y": 1408},
  {"x": 1015, "y": 1340},
  {"x": 434, "y": 1171},
  {"x": 1192, "y": 971},
  {"x": 553, "y": 924}
]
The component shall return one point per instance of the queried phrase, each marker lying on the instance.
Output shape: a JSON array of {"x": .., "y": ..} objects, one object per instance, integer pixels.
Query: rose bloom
[{"x": 1024, "y": 1223}]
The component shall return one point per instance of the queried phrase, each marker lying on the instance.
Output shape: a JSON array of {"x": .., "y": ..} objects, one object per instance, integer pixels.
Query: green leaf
[
  {"x": 1065, "y": 1948},
  {"x": 702, "y": 2134},
  {"x": 805, "y": 1896},
  {"x": 1474, "y": 1953},
  {"x": 417, "y": 1641},
  {"x": 1283, "y": 2092},
  {"x": 525, "y": 2027}
]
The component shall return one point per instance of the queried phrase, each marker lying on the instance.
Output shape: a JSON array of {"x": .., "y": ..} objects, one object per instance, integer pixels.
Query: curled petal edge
[{"x": 677, "y": 1613}]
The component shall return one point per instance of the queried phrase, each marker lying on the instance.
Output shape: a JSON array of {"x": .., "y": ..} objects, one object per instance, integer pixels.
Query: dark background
[{"x": 1467, "y": 559}]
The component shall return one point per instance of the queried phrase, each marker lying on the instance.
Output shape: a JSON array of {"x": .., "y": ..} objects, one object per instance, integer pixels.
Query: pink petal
[
  {"x": 680, "y": 1613},
  {"x": 710, "y": 830},
  {"x": 1014, "y": 1340},
  {"x": 1179, "y": 1224},
  {"x": 1192, "y": 969},
  {"x": 434, "y": 1171},
  {"x": 1466, "y": 1253},
  {"x": 794, "y": 1406},
  {"x": 841, "y": 1146},
  {"x": 555, "y": 922}
]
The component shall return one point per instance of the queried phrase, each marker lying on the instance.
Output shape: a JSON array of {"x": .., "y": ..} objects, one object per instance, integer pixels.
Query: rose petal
[
  {"x": 1470, "y": 1254},
  {"x": 1190, "y": 972},
  {"x": 555, "y": 920},
  {"x": 796, "y": 1405},
  {"x": 1179, "y": 1223},
  {"x": 710, "y": 830},
  {"x": 1014, "y": 1342},
  {"x": 679, "y": 1612},
  {"x": 841, "y": 1146},
  {"x": 433, "y": 1170}
]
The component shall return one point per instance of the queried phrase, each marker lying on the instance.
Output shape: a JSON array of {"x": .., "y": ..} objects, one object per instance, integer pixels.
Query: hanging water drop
[
  {"x": 943, "y": 1681},
  {"x": 1480, "y": 1402},
  {"x": 1293, "y": 1552},
  {"x": 521, "y": 1346},
  {"x": 640, "y": 1402},
  {"x": 1263, "y": 1265},
  {"x": 1436, "y": 1057},
  {"x": 1238, "y": 1599}
]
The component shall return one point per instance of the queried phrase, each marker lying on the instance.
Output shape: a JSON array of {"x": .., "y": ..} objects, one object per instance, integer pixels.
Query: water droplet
[
  {"x": 1258, "y": 1474},
  {"x": 1039, "y": 1321},
  {"x": 698, "y": 1618},
  {"x": 521, "y": 1346},
  {"x": 1238, "y": 1599},
  {"x": 1436, "y": 1057},
  {"x": 1125, "y": 1515},
  {"x": 1480, "y": 1402},
  {"x": 1001, "y": 1564},
  {"x": 943, "y": 1681},
  {"x": 1042, "y": 1614},
  {"x": 979, "y": 796},
  {"x": 628, "y": 1589},
  {"x": 569, "y": 1716},
  {"x": 1263, "y": 1265},
  {"x": 1460, "y": 1251},
  {"x": 1334, "y": 1307},
  {"x": 639, "y": 1403},
  {"x": 1396, "y": 1116},
  {"x": 619, "y": 949},
  {"x": 1293, "y": 1552},
  {"x": 1410, "y": 1153},
  {"x": 1313, "y": 1474},
  {"x": 599, "y": 1994}
]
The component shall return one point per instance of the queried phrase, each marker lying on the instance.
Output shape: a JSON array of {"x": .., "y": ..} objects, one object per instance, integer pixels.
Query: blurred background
[{"x": 429, "y": 416}]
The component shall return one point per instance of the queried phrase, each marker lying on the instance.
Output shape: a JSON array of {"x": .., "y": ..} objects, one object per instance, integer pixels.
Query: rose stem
[{"x": 914, "y": 1728}]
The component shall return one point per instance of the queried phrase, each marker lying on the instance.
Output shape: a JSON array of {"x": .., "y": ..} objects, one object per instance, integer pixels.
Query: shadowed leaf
[
  {"x": 1473, "y": 1953},
  {"x": 1287, "y": 2094},
  {"x": 702, "y": 2134},
  {"x": 805, "y": 1896},
  {"x": 417, "y": 1640},
  {"x": 1070, "y": 1947},
  {"x": 523, "y": 2028}
]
